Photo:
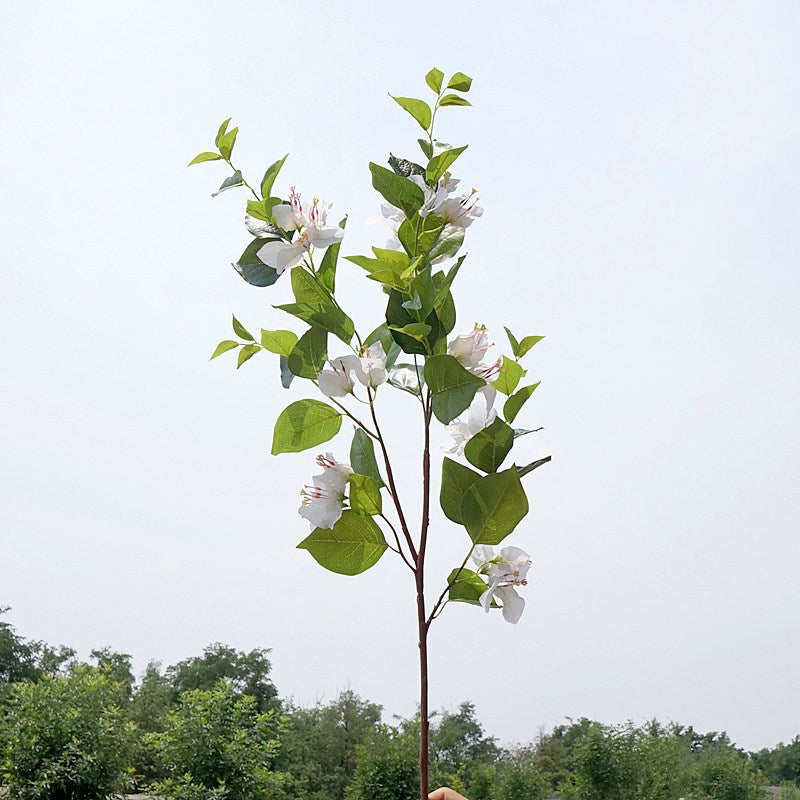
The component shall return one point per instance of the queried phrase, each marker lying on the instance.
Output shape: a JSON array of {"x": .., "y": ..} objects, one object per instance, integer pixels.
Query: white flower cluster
[
  {"x": 311, "y": 223},
  {"x": 323, "y": 501}
]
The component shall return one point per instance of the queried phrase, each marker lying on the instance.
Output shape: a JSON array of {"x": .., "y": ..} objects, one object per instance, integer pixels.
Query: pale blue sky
[{"x": 638, "y": 163}]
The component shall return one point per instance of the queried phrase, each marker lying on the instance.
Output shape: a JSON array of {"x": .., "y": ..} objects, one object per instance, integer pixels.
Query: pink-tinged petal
[{"x": 513, "y": 604}]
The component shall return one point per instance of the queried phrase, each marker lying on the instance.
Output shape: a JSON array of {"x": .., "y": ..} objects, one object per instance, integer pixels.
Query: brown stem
[
  {"x": 391, "y": 481},
  {"x": 422, "y": 620}
]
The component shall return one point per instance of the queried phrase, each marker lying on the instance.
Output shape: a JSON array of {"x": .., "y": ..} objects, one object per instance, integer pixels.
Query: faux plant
[{"x": 355, "y": 509}]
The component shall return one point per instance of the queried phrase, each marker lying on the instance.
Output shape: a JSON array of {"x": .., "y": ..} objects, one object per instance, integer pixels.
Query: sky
[{"x": 638, "y": 164}]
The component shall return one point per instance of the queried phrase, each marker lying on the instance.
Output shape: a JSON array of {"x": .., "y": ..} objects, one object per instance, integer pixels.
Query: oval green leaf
[
  {"x": 304, "y": 424},
  {"x": 493, "y": 506},
  {"x": 353, "y": 545}
]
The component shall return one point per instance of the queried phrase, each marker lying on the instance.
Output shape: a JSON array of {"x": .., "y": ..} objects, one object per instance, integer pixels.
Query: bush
[
  {"x": 726, "y": 775},
  {"x": 387, "y": 768},
  {"x": 64, "y": 738},
  {"x": 217, "y": 746},
  {"x": 520, "y": 781}
]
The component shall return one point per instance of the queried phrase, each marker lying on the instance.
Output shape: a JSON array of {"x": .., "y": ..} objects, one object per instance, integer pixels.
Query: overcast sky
[{"x": 638, "y": 163}]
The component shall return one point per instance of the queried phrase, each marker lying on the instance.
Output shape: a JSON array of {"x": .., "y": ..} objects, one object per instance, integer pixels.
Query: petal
[
  {"x": 513, "y": 604},
  {"x": 324, "y": 237},
  {"x": 323, "y": 513},
  {"x": 486, "y": 600},
  {"x": 284, "y": 217},
  {"x": 334, "y": 384},
  {"x": 513, "y": 553},
  {"x": 281, "y": 255}
]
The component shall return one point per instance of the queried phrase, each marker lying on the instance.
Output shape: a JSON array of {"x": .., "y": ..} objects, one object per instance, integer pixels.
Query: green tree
[
  {"x": 606, "y": 765},
  {"x": 64, "y": 738},
  {"x": 319, "y": 746},
  {"x": 725, "y": 774},
  {"x": 519, "y": 779},
  {"x": 387, "y": 767},
  {"x": 217, "y": 744},
  {"x": 458, "y": 744},
  {"x": 247, "y": 673},
  {"x": 149, "y": 713},
  {"x": 780, "y": 763}
]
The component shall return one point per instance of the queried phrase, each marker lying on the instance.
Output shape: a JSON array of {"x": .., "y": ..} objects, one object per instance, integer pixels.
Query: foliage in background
[{"x": 90, "y": 730}]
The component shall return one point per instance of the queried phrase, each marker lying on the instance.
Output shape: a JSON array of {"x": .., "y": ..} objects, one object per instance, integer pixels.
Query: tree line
[{"x": 213, "y": 727}]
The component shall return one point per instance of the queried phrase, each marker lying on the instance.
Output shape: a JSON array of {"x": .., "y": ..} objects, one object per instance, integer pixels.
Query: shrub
[
  {"x": 726, "y": 775},
  {"x": 218, "y": 745},
  {"x": 64, "y": 738},
  {"x": 387, "y": 768}
]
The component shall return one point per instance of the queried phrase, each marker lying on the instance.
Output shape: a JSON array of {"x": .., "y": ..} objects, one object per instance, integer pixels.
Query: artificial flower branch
[{"x": 411, "y": 350}]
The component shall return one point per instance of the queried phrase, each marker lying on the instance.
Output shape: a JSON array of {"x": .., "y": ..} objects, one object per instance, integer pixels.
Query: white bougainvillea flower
[
  {"x": 470, "y": 348},
  {"x": 313, "y": 232},
  {"x": 461, "y": 211},
  {"x": 369, "y": 367},
  {"x": 336, "y": 381},
  {"x": 322, "y": 502},
  {"x": 434, "y": 199},
  {"x": 488, "y": 371},
  {"x": 289, "y": 216},
  {"x": 479, "y": 415},
  {"x": 504, "y": 571}
]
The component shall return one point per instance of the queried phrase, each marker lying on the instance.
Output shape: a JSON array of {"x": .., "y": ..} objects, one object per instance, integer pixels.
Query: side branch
[{"x": 390, "y": 478}]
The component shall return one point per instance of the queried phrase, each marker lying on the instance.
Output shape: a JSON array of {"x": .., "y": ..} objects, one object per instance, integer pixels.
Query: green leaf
[
  {"x": 426, "y": 148},
  {"x": 514, "y": 403},
  {"x": 398, "y": 317},
  {"x": 488, "y": 448},
  {"x": 526, "y": 344},
  {"x": 493, "y": 506},
  {"x": 467, "y": 587},
  {"x": 226, "y": 142},
  {"x": 309, "y": 354},
  {"x": 511, "y": 373},
  {"x": 223, "y": 347},
  {"x": 365, "y": 495},
  {"x": 305, "y": 287},
  {"x": 304, "y": 424},
  {"x": 241, "y": 331},
  {"x": 396, "y": 190},
  {"x": 454, "y": 100},
  {"x": 397, "y": 258},
  {"x": 253, "y": 269},
  {"x": 402, "y": 166},
  {"x": 270, "y": 175},
  {"x": 456, "y": 479},
  {"x": 512, "y": 341},
  {"x": 419, "y": 236},
  {"x": 262, "y": 210},
  {"x": 247, "y": 352},
  {"x": 453, "y": 387},
  {"x": 362, "y": 457},
  {"x": 221, "y": 132},
  {"x": 287, "y": 376},
  {"x": 447, "y": 245},
  {"x": 229, "y": 183},
  {"x": 460, "y": 82},
  {"x": 204, "y": 157},
  {"x": 439, "y": 164},
  {"x": 353, "y": 545},
  {"x": 416, "y": 330},
  {"x": 533, "y": 465},
  {"x": 327, "y": 268},
  {"x": 280, "y": 342},
  {"x": 418, "y": 109},
  {"x": 434, "y": 79},
  {"x": 323, "y": 315}
]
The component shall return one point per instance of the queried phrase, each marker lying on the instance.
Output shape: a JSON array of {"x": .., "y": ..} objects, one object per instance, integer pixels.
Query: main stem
[{"x": 422, "y": 620}]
